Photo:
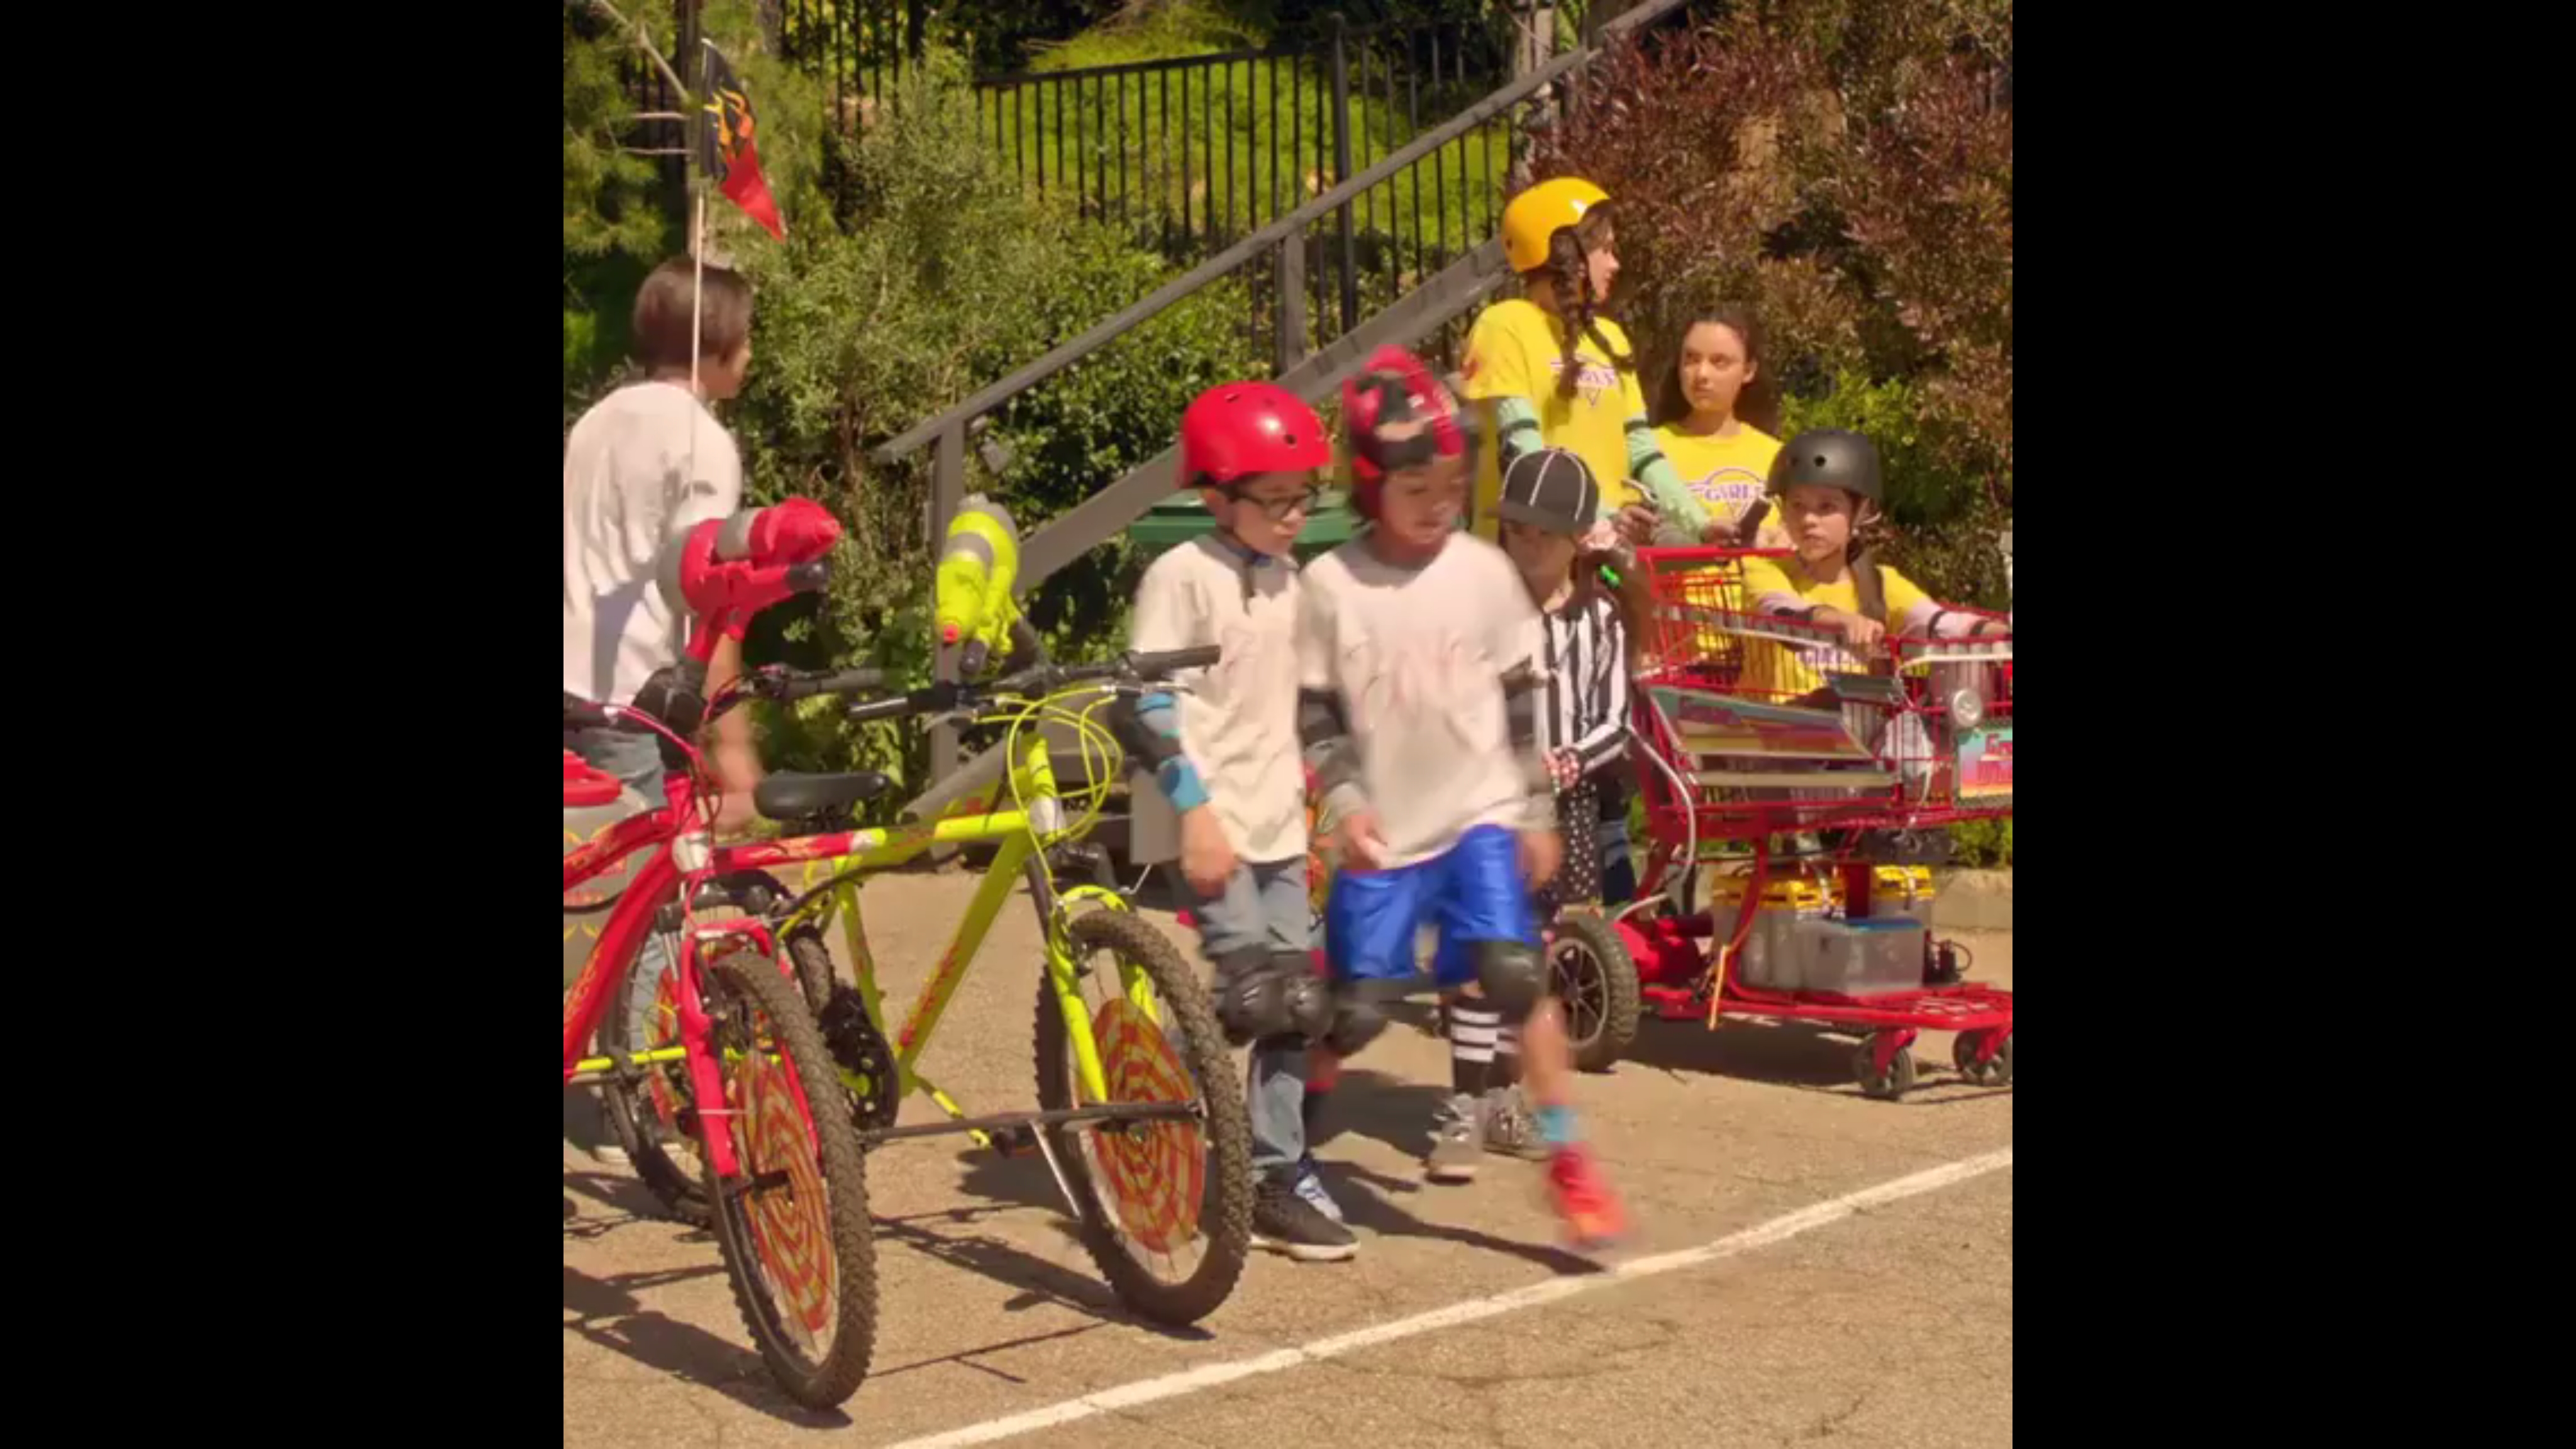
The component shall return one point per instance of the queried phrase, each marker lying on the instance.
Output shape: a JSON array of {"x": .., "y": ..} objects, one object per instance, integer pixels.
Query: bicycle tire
[
  {"x": 637, "y": 1122},
  {"x": 841, "y": 1228},
  {"x": 634, "y": 1118},
  {"x": 1225, "y": 1210},
  {"x": 812, "y": 958}
]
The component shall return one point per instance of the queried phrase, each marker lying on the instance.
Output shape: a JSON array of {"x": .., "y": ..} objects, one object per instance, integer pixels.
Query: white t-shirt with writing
[
  {"x": 1238, "y": 717},
  {"x": 630, "y": 487},
  {"x": 1417, "y": 657}
]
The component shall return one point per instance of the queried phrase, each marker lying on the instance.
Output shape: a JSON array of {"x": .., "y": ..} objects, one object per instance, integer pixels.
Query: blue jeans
[{"x": 1264, "y": 906}]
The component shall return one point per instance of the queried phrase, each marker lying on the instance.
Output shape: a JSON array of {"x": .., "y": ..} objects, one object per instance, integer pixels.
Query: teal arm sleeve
[
  {"x": 1516, "y": 428},
  {"x": 1664, "y": 487}
]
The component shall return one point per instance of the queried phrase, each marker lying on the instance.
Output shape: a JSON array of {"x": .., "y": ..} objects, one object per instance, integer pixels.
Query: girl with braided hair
[{"x": 1551, "y": 372}]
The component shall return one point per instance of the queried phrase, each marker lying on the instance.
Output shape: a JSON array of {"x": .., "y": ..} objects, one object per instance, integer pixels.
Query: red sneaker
[{"x": 1590, "y": 1209}]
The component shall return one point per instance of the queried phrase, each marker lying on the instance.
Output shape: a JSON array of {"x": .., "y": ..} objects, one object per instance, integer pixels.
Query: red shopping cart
[{"x": 1752, "y": 727}]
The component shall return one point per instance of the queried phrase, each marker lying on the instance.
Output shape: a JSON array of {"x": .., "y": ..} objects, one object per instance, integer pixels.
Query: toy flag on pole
[{"x": 726, "y": 151}]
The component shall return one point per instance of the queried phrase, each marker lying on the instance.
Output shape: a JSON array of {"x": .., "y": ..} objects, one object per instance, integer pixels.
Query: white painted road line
[{"x": 1191, "y": 1381}]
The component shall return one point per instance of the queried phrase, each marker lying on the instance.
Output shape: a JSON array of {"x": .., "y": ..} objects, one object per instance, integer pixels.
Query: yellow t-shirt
[
  {"x": 1727, "y": 474},
  {"x": 1778, "y": 671},
  {"x": 1517, "y": 350}
]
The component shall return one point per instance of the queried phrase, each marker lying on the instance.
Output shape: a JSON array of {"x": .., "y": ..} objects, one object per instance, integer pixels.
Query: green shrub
[
  {"x": 948, "y": 276},
  {"x": 1983, "y": 844}
]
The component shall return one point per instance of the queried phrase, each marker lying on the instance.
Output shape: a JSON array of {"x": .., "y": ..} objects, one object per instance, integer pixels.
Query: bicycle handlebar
[{"x": 1038, "y": 679}]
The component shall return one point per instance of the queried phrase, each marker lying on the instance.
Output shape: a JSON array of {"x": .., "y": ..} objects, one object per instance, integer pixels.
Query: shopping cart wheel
[
  {"x": 1994, "y": 1071},
  {"x": 1592, "y": 975},
  {"x": 1895, "y": 1082}
]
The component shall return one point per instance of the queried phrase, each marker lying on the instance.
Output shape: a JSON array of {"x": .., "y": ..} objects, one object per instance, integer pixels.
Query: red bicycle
[{"x": 749, "y": 1082}]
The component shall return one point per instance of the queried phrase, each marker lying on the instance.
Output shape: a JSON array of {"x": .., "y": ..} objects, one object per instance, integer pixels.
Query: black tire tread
[
  {"x": 681, "y": 1192},
  {"x": 844, "y": 1166},
  {"x": 1228, "y": 1224},
  {"x": 1621, "y": 994}
]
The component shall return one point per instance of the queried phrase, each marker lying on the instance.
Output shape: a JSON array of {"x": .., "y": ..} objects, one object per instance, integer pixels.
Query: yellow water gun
[{"x": 978, "y": 563}]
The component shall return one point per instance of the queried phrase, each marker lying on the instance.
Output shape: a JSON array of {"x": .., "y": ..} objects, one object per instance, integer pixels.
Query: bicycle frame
[
  {"x": 622, "y": 939},
  {"x": 844, "y": 858}
]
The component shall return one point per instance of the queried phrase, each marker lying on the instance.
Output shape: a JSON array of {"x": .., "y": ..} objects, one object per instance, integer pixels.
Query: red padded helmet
[
  {"x": 1399, "y": 416},
  {"x": 1239, "y": 430}
]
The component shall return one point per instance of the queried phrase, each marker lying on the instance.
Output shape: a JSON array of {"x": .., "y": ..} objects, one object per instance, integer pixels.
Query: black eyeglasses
[{"x": 1276, "y": 509}]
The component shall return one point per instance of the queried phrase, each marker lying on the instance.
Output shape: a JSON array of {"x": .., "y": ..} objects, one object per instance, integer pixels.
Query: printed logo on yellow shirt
[
  {"x": 1595, "y": 379},
  {"x": 1731, "y": 489}
]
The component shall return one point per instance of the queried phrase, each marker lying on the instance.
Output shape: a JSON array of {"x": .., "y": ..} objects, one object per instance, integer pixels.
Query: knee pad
[
  {"x": 1514, "y": 977},
  {"x": 1357, "y": 1021},
  {"x": 1307, "y": 999},
  {"x": 1261, "y": 994}
]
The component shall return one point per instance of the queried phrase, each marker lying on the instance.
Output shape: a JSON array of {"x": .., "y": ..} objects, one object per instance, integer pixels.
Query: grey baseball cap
[{"x": 1551, "y": 489}]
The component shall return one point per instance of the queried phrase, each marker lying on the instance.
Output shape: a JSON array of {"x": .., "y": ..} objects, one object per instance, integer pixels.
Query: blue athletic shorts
[{"x": 1472, "y": 892}]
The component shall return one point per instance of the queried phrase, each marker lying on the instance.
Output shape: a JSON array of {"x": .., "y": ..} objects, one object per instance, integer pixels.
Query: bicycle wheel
[
  {"x": 812, "y": 957},
  {"x": 651, "y": 1116},
  {"x": 794, "y": 1226},
  {"x": 1166, "y": 1206}
]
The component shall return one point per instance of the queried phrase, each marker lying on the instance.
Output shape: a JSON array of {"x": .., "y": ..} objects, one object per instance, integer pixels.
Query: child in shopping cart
[
  {"x": 1548, "y": 502},
  {"x": 1827, "y": 483},
  {"x": 1407, "y": 635}
]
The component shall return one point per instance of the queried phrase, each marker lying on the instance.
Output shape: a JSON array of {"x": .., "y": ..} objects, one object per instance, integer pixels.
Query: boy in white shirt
[
  {"x": 1225, "y": 753},
  {"x": 646, "y": 464},
  {"x": 1405, "y": 638}
]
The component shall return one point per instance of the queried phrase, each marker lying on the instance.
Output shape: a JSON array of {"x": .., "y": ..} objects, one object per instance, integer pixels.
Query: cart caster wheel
[
  {"x": 1995, "y": 1071},
  {"x": 1899, "y": 1079}
]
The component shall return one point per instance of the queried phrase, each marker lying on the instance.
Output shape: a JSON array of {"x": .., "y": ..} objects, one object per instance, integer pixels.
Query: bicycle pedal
[{"x": 1015, "y": 1141}]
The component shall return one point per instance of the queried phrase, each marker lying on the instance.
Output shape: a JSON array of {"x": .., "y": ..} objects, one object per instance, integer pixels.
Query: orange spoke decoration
[{"x": 1155, "y": 1172}]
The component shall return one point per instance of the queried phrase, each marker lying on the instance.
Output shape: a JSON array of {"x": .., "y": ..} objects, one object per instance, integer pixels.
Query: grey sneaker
[
  {"x": 1310, "y": 1186},
  {"x": 1455, "y": 1132},
  {"x": 1509, "y": 1128},
  {"x": 1284, "y": 1222}
]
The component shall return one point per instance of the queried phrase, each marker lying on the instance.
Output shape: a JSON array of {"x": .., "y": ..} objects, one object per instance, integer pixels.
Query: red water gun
[{"x": 725, "y": 570}]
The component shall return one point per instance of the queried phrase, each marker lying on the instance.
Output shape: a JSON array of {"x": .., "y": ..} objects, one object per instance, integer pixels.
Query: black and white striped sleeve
[{"x": 1593, "y": 668}]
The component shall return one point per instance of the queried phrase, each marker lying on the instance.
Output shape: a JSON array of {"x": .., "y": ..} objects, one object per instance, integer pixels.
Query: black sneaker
[{"x": 1285, "y": 1222}]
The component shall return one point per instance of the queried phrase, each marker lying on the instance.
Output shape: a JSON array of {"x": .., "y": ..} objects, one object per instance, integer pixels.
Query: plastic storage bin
[
  {"x": 1867, "y": 957},
  {"x": 1773, "y": 954}
]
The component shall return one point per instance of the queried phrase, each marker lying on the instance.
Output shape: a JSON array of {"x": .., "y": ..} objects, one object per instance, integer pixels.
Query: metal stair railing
[{"x": 1308, "y": 371}]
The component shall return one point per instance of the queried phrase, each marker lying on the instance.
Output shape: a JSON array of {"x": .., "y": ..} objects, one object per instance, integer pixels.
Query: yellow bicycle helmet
[{"x": 1535, "y": 214}]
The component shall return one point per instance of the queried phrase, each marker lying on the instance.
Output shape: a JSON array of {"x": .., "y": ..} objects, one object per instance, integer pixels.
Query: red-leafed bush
[{"x": 1846, "y": 166}]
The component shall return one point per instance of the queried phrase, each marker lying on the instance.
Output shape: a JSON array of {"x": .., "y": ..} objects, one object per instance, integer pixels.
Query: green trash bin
[{"x": 1182, "y": 517}]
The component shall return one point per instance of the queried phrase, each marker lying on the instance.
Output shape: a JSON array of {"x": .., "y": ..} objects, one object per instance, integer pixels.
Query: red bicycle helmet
[
  {"x": 1399, "y": 416},
  {"x": 1240, "y": 430}
]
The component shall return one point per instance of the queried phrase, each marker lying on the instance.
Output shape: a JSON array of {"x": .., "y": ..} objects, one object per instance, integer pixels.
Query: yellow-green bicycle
[{"x": 1140, "y": 1112}]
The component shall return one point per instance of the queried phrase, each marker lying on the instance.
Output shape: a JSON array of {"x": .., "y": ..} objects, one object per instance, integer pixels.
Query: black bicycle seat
[{"x": 793, "y": 797}]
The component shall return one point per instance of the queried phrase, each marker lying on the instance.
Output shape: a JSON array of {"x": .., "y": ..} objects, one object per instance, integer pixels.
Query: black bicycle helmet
[{"x": 1829, "y": 458}]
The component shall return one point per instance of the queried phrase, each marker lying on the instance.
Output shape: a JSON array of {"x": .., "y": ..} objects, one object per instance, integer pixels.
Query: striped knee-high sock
[
  {"x": 1472, "y": 1028},
  {"x": 1507, "y": 1058}
]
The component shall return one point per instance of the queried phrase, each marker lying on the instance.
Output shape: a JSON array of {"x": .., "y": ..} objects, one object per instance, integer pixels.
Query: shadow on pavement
[
  {"x": 627, "y": 1196},
  {"x": 607, "y": 1313},
  {"x": 1398, "y": 1113},
  {"x": 992, "y": 1184},
  {"x": 1793, "y": 1054}
]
